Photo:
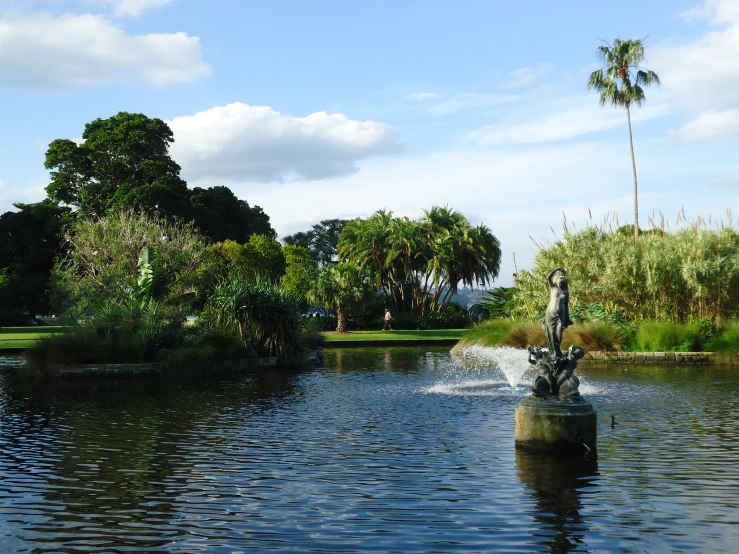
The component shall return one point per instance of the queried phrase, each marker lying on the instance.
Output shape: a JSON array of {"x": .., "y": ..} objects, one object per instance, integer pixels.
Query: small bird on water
[{"x": 613, "y": 422}]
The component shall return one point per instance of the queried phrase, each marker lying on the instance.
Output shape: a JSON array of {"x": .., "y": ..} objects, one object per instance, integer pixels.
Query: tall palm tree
[{"x": 620, "y": 84}]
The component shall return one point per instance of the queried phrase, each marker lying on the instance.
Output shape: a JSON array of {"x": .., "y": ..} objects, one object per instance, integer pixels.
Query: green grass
[
  {"x": 28, "y": 333},
  {"x": 16, "y": 344},
  {"x": 430, "y": 334},
  {"x": 652, "y": 336}
]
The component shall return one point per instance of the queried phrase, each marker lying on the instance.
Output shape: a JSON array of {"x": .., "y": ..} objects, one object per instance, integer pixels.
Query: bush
[
  {"x": 653, "y": 336},
  {"x": 590, "y": 336},
  {"x": 449, "y": 316},
  {"x": 726, "y": 341}
]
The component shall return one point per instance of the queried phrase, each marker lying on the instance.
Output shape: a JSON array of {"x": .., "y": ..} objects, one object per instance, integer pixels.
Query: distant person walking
[{"x": 388, "y": 319}]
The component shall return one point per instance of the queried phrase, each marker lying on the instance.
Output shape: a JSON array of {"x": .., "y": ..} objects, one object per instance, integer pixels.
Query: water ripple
[{"x": 397, "y": 450}]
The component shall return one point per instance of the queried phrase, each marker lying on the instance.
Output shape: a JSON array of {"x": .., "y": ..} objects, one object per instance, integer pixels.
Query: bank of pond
[
  {"x": 700, "y": 335},
  {"x": 117, "y": 338}
]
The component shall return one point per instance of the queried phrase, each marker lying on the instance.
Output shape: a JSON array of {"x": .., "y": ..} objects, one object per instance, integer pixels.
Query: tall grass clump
[
  {"x": 661, "y": 275},
  {"x": 598, "y": 335},
  {"x": 653, "y": 336},
  {"x": 726, "y": 341}
]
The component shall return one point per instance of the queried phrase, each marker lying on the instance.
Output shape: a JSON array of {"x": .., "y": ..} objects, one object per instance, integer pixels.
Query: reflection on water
[
  {"x": 384, "y": 450},
  {"x": 557, "y": 484}
]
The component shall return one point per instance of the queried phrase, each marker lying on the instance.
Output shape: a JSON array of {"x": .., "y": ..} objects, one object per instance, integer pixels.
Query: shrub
[
  {"x": 500, "y": 332},
  {"x": 653, "y": 336},
  {"x": 450, "y": 316},
  {"x": 726, "y": 341}
]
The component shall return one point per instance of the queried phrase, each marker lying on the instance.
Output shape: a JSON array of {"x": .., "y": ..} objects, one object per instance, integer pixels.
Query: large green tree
[
  {"x": 621, "y": 84},
  {"x": 220, "y": 216},
  {"x": 30, "y": 241},
  {"x": 259, "y": 258},
  {"x": 321, "y": 240},
  {"x": 122, "y": 162},
  {"x": 421, "y": 263},
  {"x": 300, "y": 270}
]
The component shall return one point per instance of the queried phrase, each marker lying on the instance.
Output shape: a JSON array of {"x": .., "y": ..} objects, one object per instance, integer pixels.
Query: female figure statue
[{"x": 557, "y": 317}]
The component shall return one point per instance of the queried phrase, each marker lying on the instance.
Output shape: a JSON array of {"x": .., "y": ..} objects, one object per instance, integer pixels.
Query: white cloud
[
  {"x": 469, "y": 100},
  {"x": 526, "y": 75},
  {"x": 88, "y": 49},
  {"x": 119, "y": 8},
  {"x": 133, "y": 8},
  {"x": 242, "y": 143},
  {"x": 711, "y": 125},
  {"x": 559, "y": 120},
  {"x": 422, "y": 96},
  {"x": 704, "y": 73},
  {"x": 720, "y": 11}
]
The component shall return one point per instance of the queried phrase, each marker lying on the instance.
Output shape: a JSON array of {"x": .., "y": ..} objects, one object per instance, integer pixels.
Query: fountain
[
  {"x": 555, "y": 417},
  {"x": 510, "y": 361}
]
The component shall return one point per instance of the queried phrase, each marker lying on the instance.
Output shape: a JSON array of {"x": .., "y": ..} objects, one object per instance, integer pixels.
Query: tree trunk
[
  {"x": 633, "y": 167},
  {"x": 341, "y": 321}
]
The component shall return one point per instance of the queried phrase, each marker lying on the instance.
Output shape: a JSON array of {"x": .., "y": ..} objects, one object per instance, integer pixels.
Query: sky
[{"x": 335, "y": 109}]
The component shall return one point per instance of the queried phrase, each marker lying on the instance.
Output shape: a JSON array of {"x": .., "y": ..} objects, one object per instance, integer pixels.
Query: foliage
[
  {"x": 201, "y": 350},
  {"x": 620, "y": 84},
  {"x": 122, "y": 163},
  {"x": 261, "y": 257},
  {"x": 600, "y": 335},
  {"x": 418, "y": 264},
  {"x": 726, "y": 341},
  {"x": 449, "y": 316},
  {"x": 662, "y": 276},
  {"x": 32, "y": 238},
  {"x": 103, "y": 260},
  {"x": 321, "y": 241},
  {"x": 300, "y": 270},
  {"x": 220, "y": 216},
  {"x": 499, "y": 302},
  {"x": 116, "y": 331},
  {"x": 267, "y": 317},
  {"x": 339, "y": 287},
  {"x": 653, "y": 336}
]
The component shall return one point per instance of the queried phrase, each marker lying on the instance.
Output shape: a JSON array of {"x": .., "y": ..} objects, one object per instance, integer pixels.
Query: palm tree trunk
[
  {"x": 633, "y": 167},
  {"x": 340, "y": 321}
]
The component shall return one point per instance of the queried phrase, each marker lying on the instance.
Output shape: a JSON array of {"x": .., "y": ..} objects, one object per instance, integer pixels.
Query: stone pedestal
[{"x": 555, "y": 425}]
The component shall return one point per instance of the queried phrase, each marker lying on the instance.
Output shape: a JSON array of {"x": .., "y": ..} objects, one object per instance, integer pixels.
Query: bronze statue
[
  {"x": 556, "y": 370},
  {"x": 557, "y": 317}
]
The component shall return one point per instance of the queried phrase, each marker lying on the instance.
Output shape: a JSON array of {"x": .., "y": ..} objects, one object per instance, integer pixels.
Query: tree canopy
[
  {"x": 321, "y": 241},
  {"x": 420, "y": 263},
  {"x": 123, "y": 163},
  {"x": 340, "y": 287},
  {"x": 220, "y": 216},
  {"x": 30, "y": 241}
]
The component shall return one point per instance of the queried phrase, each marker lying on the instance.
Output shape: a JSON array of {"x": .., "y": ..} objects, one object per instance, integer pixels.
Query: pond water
[{"x": 386, "y": 450}]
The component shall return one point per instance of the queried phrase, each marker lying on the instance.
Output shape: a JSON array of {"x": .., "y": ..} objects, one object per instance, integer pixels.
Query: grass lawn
[
  {"x": 27, "y": 333},
  {"x": 394, "y": 335}
]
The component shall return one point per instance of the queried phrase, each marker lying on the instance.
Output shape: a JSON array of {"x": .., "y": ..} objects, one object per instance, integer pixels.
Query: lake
[{"x": 382, "y": 450}]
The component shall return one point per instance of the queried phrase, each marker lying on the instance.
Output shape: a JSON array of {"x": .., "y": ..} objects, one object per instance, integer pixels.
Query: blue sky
[{"x": 324, "y": 109}]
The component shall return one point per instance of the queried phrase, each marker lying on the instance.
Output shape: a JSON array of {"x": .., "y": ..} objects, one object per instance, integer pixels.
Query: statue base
[{"x": 553, "y": 424}]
